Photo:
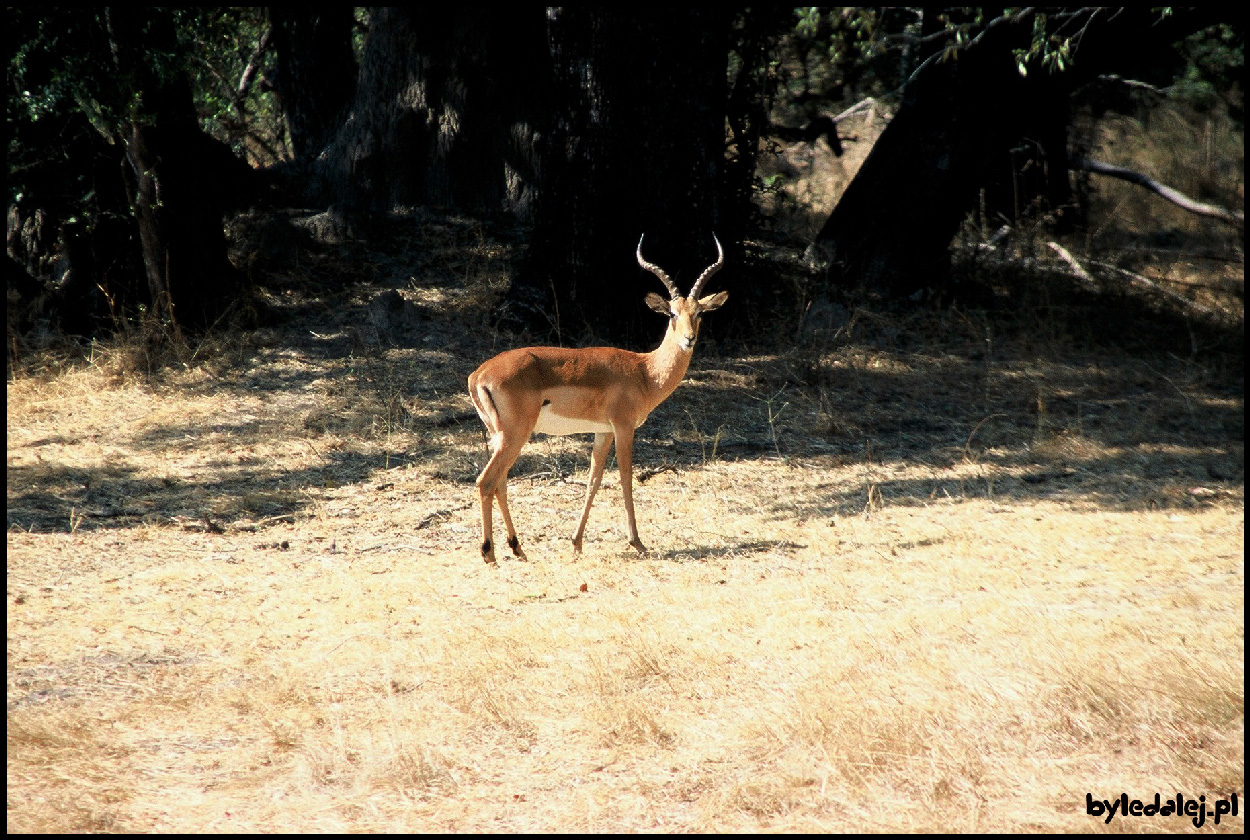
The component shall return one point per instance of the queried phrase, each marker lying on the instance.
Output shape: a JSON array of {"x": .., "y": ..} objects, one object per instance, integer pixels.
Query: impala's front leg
[
  {"x": 598, "y": 460},
  {"x": 625, "y": 460}
]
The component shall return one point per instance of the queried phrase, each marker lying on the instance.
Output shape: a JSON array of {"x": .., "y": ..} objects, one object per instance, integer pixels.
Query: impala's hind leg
[
  {"x": 492, "y": 484},
  {"x": 509, "y": 424},
  {"x": 487, "y": 496},
  {"x": 501, "y": 496}
]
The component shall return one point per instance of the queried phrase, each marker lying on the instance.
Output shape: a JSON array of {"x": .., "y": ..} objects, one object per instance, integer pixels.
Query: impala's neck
[{"x": 666, "y": 364}]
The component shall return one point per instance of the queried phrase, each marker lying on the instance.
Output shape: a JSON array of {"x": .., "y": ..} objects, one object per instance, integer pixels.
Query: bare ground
[{"x": 916, "y": 574}]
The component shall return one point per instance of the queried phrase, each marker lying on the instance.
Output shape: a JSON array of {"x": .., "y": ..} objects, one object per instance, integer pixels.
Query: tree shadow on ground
[
  {"x": 1111, "y": 402},
  {"x": 49, "y": 497}
]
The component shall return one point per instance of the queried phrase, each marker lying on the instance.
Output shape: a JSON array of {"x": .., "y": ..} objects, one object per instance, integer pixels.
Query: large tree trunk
[
  {"x": 85, "y": 252},
  {"x": 180, "y": 179},
  {"x": 890, "y": 232},
  {"x": 638, "y": 147},
  {"x": 970, "y": 123},
  {"x": 754, "y": 34},
  {"x": 316, "y": 71},
  {"x": 444, "y": 113}
]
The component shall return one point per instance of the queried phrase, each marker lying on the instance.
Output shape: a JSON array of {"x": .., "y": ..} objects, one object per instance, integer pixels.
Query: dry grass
[{"x": 911, "y": 584}]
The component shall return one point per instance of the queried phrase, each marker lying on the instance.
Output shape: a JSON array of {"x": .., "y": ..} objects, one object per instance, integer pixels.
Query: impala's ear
[
  {"x": 715, "y": 301},
  {"x": 658, "y": 303}
]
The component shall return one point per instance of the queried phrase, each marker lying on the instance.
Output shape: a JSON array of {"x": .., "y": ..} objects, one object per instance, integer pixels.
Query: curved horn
[
  {"x": 657, "y": 271},
  {"x": 709, "y": 271}
]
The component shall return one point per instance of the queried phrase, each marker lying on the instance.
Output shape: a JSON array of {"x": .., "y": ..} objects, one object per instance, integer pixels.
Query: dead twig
[
  {"x": 1147, "y": 283},
  {"x": 430, "y": 518},
  {"x": 645, "y": 474}
]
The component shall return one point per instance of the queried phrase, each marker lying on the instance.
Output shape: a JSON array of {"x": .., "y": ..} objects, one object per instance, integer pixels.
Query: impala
[{"x": 566, "y": 391}]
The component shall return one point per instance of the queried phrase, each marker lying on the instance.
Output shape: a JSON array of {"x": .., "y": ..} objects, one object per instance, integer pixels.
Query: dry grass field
[{"x": 927, "y": 575}]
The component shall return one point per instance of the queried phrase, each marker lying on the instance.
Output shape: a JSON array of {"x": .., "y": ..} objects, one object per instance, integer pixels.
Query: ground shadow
[{"x": 1112, "y": 402}]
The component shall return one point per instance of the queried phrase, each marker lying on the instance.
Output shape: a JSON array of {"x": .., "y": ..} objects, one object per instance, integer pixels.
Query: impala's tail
[{"x": 484, "y": 402}]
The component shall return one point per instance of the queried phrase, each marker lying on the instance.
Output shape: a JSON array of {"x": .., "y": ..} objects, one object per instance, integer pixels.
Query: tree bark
[
  {"x": 961, "y": 123},
  {"x": 180, "y": 179},
  {"x": 753, "y": 36},
  {"x": 637, "y": 147},
  {"x": 316, "y": 71},
  {"x": 890, "y": 232},
  {"x": 445, "y": 113}
]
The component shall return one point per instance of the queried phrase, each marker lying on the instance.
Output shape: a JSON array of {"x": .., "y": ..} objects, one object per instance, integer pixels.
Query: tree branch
[
  {"x": 1133, "y": 83},
  {"x": 1232, "y": 217},
  {"x": 249, "y": 72}
]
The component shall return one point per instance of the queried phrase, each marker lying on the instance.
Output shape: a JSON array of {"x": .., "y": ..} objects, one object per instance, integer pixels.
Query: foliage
[
  {"x": 881, "y": 45},
  {"x": 226, "y": 55},
  {"x": 69, "y": 100},
  {"x": 1216, "y": 66},
  {"x": 52, "y": 89},
  {"x": 63, "y": 79},
  {"x": 849, "y": 47}
]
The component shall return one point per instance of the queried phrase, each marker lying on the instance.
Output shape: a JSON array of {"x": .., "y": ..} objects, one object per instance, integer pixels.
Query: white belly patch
[{"x": 550, "y": 423}]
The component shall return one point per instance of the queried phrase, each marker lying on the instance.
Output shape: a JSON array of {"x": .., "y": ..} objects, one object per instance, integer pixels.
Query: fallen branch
[
  {"x": 1136, "y": 279},
  {"x": 1232, "y": 217},
  {"x": 1080, "y": 273},
  {"x": 1147, "y": 283},
  {"x": 861, "y": 105}
]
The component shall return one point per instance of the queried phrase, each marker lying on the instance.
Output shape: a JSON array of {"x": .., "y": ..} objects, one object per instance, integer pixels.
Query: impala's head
[{"x": 684, "y": 311}]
